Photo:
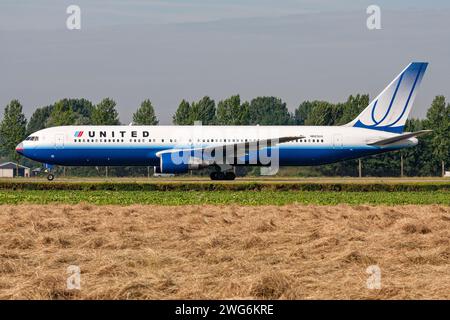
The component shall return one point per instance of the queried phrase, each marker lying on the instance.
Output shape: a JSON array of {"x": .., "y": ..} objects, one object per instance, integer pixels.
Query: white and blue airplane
[{"x": 178, "y": 149}]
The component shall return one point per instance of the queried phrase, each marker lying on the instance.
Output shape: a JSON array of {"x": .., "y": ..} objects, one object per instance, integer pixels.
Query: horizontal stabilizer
[{"x": 398, "y": 138}]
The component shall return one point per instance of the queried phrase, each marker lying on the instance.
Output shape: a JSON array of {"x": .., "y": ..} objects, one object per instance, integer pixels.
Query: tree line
[{"x": 427, "y": 159}]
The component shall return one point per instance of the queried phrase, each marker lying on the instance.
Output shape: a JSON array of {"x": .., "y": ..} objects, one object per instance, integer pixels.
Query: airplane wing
[
  {"x": 399, "y": 137},
  {"x": 240, "y": 149}
]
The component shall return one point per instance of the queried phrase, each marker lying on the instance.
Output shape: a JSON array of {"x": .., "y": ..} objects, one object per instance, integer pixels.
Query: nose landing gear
[{"x": 48, "y": 170}]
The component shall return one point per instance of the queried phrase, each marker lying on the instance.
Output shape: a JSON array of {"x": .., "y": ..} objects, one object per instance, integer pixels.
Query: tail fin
[{"x": 390, "y": 109}]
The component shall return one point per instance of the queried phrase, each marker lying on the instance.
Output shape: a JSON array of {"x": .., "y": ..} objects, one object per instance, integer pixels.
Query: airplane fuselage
[{"x": 139, "y": 145}]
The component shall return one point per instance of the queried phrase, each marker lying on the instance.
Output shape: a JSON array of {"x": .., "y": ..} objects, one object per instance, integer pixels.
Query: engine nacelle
[{"x": 179, "y": 162}]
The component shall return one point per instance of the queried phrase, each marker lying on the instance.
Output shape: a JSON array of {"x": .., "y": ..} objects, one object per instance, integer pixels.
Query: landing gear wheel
[
  {"x": 214, "y": 175},
  {"x": 219, "y": 175},
  {"x": 50, "y": 177},
  {"x": 230, "y": 176}
]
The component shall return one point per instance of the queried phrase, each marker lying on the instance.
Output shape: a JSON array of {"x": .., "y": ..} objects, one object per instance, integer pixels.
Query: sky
[{"x": 185, "y": 49}]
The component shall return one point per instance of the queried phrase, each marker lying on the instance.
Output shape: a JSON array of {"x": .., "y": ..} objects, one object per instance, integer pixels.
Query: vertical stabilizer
[{"x": 390, "y": 109}]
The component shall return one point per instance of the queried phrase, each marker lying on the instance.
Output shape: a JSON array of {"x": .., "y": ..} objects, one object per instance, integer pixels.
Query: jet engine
[{"x": 177, "y": 162}]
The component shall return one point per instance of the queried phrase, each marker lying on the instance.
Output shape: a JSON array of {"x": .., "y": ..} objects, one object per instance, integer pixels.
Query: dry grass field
[{"x": 195, "y": 252}]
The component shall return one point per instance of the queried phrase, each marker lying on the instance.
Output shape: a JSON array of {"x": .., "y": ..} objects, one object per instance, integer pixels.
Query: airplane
[{"x": 178, "y": 149}]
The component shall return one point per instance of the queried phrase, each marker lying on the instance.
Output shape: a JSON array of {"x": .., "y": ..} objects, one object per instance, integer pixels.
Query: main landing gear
[
  {"x": 219, "y": 175},
  {"x": 50, "y": 177}
]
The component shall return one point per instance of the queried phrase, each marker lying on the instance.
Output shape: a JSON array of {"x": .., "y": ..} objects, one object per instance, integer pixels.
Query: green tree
[
  {"x": 62, "y": 115},
  {"x": 268, "y": 111},
  {"x": 419, "y": 160},
  {"x": 353, "y": 107},
  {"x": 67, "y": 112},
  {"x": 204, "y": 111},
  {"x": 82, "y": 108},
  {"x": 183, "y": 114},
  {"x": 231, "y": 112},
  {"x": 12, "y": 129},
  {"x": 145, "y": 115},
  {"x": 323, "y": 113},
  {"x": 438, "y": 119},
  {"x": 39, "y": 119},
  {"x": 105, "y": 113},
  {"x": 302, "y": 113}
]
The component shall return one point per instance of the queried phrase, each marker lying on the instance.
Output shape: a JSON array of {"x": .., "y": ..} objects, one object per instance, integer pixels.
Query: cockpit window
[{"x": 32, "y": 138}]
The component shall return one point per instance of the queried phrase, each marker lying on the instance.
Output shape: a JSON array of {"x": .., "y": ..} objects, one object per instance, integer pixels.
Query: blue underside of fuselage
[{"x": 146, "y": 156}]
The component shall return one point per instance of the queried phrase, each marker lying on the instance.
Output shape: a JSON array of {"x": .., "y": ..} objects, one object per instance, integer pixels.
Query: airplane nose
[{"x": 19, "y": 148}]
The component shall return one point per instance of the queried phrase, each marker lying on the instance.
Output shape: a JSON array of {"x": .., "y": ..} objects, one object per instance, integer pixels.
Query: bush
[{"x": 218, "y": 186}]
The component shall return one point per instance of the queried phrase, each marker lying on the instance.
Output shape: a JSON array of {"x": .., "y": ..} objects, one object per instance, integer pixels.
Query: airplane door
[
  {"x": 59, "y": 141},
  {"x": 337, "y": 141}
]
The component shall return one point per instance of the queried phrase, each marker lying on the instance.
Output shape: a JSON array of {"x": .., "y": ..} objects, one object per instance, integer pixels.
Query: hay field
[{"x": 196, "y": 252}]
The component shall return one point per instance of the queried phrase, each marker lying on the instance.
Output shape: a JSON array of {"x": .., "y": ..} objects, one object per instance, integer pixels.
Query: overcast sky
[{"x": 170, "y": 50}]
